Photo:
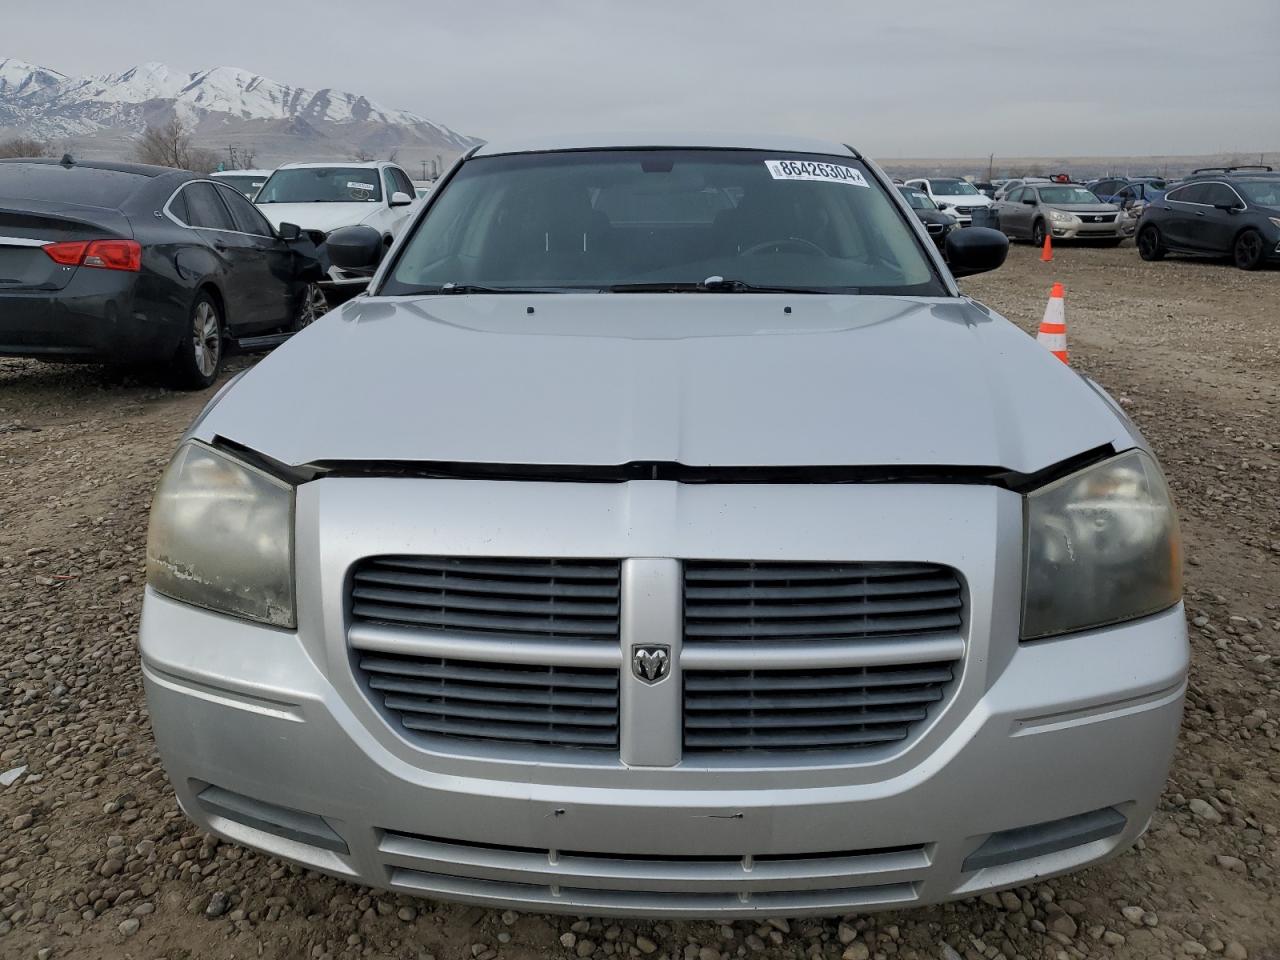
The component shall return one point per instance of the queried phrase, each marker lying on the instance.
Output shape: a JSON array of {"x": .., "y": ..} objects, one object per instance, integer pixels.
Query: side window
[
  {"x": 1191, "y": 193},
  {"x": 389, "y": 183},
  {"x": 206, "y": 209},
  {"x": 403, "y": 183},
  {"x": 1219, "y": 194},
  {"x": 1015, "y": 196},
  {"x": 245, "y": 214},
  {"x": 178, "y": 207}
]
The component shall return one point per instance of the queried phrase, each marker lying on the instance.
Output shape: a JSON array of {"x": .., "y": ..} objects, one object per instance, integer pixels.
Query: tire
[
  {"x": 1150, "y": 247},
  {"x": 1037, "y": 234},
  {"x": 198, "y": 359},
  {"x": 1249, "y": 250},
  {"x": 313, "y": 306}
]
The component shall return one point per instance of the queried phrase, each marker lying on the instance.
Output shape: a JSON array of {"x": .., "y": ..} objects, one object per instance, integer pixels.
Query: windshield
[
  {"x": 322, "y": 185},
  {"x": 1265, "y": 193},
  {"x": 248, "y": 185},
  {"x": 633, "y": 220},
  {"x": 952, "y": 188},
  {"x": 918, "y": 200},
  {"x": 1067, "y": 195}
]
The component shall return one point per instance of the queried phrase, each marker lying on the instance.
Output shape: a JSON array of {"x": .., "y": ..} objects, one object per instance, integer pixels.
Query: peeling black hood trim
[{"x": 677, "y": 472}]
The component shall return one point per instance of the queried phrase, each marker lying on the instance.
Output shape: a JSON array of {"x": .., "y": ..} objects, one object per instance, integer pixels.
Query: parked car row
[{"x": 1231, "y": 212}]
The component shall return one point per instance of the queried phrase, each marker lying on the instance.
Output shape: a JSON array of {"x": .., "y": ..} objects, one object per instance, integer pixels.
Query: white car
[
  {"x": 957, "y": 197},
  {"x": 321, "y": 197},
  {"x": 248, "y": 182}
]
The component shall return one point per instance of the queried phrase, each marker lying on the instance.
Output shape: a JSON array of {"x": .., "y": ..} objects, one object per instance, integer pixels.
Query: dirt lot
[{"x": 95, "y": 860}]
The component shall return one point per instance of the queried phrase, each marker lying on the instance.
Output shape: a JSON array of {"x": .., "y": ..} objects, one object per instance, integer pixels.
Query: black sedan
[
  {"x": 135, "y": 264},
  {"x": 938, "y": 224}
]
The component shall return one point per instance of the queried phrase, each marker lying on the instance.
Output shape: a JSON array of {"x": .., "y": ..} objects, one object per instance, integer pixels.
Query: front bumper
[
  {"x": 1032, "y": 734},
  {"x": 1090, "y": 231}
]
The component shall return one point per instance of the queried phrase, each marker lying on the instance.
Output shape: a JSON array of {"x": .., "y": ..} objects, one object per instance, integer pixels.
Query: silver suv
[{"x": 666, "y": 534}]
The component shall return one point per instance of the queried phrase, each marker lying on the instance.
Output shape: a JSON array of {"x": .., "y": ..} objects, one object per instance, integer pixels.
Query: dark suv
[{"x": 1217, "y": 211}]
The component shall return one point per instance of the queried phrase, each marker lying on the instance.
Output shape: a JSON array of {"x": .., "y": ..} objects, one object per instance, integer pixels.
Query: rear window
[{"x": 82, "y": 185}]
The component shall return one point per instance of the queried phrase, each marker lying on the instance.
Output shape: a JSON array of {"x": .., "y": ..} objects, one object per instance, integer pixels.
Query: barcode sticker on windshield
[
  {"x": 810, "y": 170},
  {"x": 360, "y": 186}
]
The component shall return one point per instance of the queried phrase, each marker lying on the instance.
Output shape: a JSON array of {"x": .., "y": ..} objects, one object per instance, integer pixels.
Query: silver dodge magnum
[{"x": 664, "y": 533}]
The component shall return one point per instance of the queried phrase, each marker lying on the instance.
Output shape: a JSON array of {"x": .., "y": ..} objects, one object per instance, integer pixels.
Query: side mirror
[
  {"x": 942, "y": 206},
  {"x": 975, "y": 250},
  {"x": 289, "y": 232},
  {"x": 401, "y": 199},
  {"x": 355, "y": 248}
]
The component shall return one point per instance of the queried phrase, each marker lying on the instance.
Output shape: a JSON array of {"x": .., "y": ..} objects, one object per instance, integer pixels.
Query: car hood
[
  {"x": 1083, "y": 207},
  {"x": 962, "y": 200},
  {"x": 318, "y": 216},
  {"x": 933, "y": 216},
  {"x": 697, "y": 379}
]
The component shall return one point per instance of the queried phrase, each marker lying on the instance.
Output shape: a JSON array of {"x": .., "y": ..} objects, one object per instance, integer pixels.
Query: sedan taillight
[{"x": 104, "y": 254}]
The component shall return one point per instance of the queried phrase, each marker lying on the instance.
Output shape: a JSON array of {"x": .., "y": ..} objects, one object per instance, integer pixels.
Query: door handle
[{"x": 1199, "y": 213}]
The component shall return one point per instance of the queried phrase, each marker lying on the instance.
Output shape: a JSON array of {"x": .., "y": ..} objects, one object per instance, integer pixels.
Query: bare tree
[
  {"x": 363, "y": 156},
  {"x": 170, "y": 146},
  {"x": 393, "y": 154},
  {"x": 25, "y": 147}
]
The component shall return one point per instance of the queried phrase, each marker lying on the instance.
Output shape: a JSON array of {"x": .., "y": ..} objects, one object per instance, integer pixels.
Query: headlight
[
  {"x": 1275, "y": 220},
  {"x": 221, "y": 537},
  {"x": 1102, "y": 546},
  {"x": 1060, "y": 216}
]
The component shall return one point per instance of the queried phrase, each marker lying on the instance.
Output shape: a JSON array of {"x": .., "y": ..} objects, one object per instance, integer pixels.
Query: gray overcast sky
[{"x": 930, "y": 78}]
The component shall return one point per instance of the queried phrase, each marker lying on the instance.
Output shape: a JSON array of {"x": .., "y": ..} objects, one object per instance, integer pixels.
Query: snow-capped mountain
[{"x": 220, "y": 103}]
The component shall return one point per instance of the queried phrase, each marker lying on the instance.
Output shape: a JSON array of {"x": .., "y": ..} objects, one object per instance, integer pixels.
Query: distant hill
[{"x": 223, "y": 106}]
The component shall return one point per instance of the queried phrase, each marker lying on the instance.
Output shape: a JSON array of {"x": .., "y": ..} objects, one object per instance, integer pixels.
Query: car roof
[
  {"x": 241, "y": 173},
  {"x": 654, "y": 141},
  {"x": 138, "y": 169}
]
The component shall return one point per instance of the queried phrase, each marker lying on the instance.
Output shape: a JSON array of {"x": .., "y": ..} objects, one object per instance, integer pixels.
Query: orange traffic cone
[
  {"x": 1046, "y": 255},
  {"x": 1053, "y": 328}
]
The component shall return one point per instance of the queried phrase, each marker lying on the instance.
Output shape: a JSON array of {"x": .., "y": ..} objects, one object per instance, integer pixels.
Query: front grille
[
  {"x": 543, "y": 599},
  {"x": 1097, "y": 217},
  {"x": 966, "y": 211},
  {"x": 505, "y": 702},
  {"x": 827, "y": 709},
  {"x": 742, "y": 601}
]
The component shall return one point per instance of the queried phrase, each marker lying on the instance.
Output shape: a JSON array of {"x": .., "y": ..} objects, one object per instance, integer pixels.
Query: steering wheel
[{"x": 799, "y": 244}]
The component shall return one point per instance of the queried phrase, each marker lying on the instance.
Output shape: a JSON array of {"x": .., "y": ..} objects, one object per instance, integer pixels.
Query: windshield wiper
[
  {"x": 715, "y": 284},
  {"x": 465, "y": 288}
]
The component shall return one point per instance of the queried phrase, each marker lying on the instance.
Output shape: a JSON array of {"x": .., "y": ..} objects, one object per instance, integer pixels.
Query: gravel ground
[{"x": 96, "y": 861}]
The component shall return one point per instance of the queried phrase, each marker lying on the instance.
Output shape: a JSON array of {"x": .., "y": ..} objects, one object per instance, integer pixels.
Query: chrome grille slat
[
  {"x": 507, "y": 674},
  {"x": 742, "y": 601},
  {"x": 535, "y": 598},
  {"x": 784, "y": 710},
  {"x": 545, "y": 705}
]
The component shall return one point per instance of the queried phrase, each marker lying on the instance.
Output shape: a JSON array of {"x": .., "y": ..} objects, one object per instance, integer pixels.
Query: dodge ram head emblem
[{"x": 650, "y": 663}]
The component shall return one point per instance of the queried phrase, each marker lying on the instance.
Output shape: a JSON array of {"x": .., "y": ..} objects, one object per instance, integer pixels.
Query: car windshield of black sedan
[
  {"x": 1265, "y": 193},
  {"x": 918, "y": 200},
  {"x": 322, "y": 185},
  {"x": 663, "y": 221},
  {"x": 1067, "y": 195}
]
